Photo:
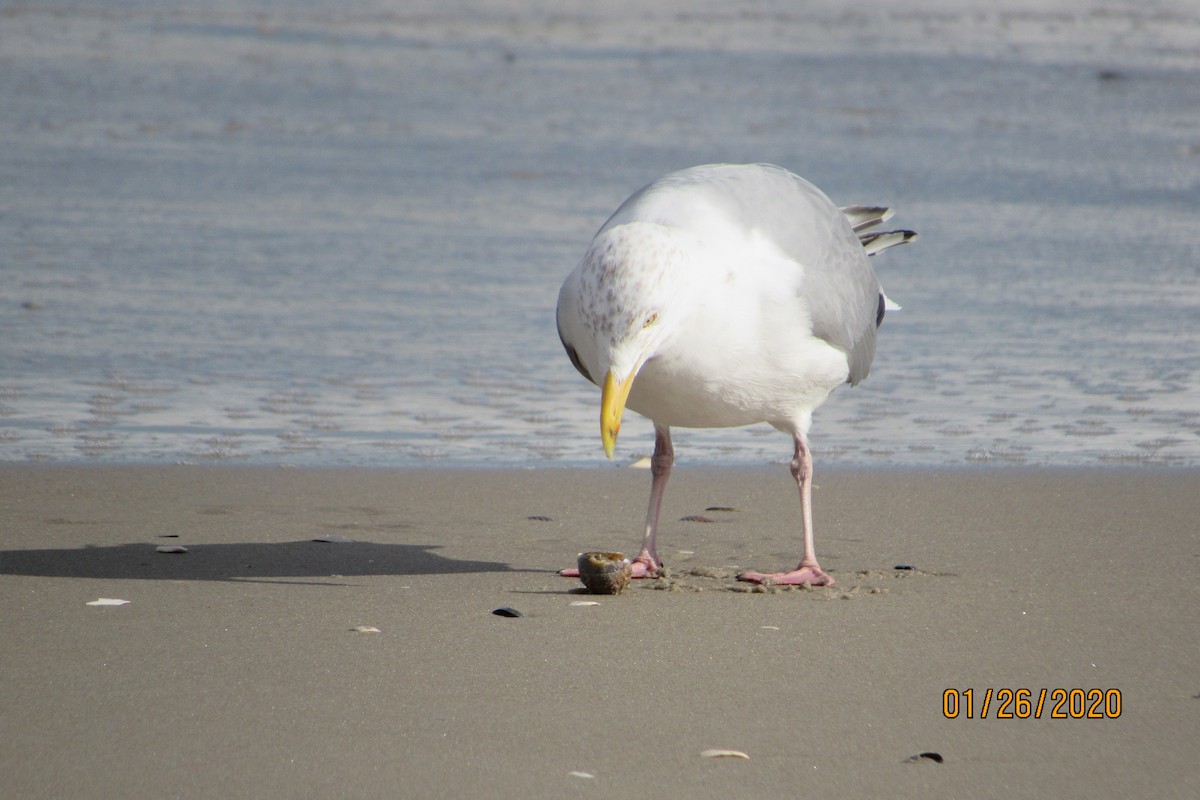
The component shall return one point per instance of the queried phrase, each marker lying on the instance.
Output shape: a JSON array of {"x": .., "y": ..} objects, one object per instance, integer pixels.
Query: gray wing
[{"x": 838, "y": 285}]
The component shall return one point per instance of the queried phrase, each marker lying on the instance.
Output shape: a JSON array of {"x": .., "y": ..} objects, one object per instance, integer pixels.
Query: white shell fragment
[
  {"x": 724, "y": 754},
  {"x": 171, "y": 548},
  {"x": 334, "y": 539},
  {"x": 641, "y": 463},
  {"x": 365, "y": 629},
  {"x": 581, "y": 775},
  {"x": 584, "y": 603},
  {"x": 107, "y": 601}
]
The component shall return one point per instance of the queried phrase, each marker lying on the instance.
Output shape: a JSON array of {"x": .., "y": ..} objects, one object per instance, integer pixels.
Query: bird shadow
[{"x": 243, "y": 561}]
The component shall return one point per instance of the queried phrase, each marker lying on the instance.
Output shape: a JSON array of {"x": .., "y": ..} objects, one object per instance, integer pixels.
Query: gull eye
[{"x": 650, "y": 320}]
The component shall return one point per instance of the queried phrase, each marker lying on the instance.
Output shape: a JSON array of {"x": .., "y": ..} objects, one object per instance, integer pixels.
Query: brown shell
[{"x": 604, "y": 573}]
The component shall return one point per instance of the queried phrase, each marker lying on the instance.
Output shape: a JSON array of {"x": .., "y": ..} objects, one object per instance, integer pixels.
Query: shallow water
[{"x": 319, "y": 234}]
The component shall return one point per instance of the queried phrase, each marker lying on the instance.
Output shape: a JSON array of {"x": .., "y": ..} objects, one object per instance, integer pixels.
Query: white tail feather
[
  {"x": 878, "y": 242},
  {"x": 864, "y": 217}
]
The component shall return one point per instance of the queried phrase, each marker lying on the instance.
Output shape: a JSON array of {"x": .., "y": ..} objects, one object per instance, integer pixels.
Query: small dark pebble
[
  {"x": 908, "y": 567},
  {"x": 720, "y": 508},
  {"x": 539, "y": 518},
  {"x": 507, "y": 612},
  {"x": 696, "y": 518},
  {"x": 1110, "y": 75},
  {"x": 927, "y": 756},
  {"x": 31, "y": 305}
]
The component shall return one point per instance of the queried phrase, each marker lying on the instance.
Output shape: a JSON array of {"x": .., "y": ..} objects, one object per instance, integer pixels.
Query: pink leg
[
  {"x": 646, "y": 564},
  {"x": 808, "y": 571},
  {"x": 660, "y": 470}
]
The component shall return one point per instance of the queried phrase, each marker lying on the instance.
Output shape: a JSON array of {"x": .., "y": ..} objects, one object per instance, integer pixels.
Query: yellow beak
[{"x": 612, "y": 405}]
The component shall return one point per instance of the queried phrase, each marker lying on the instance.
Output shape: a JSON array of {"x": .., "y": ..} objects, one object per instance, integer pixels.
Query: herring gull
[{"x": 726, "y": 295}]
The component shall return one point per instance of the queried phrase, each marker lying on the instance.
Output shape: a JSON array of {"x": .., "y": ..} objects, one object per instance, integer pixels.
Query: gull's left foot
[{"x": 813, "y": 576}]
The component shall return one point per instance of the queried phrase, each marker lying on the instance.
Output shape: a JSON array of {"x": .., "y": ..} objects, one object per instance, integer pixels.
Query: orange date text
[{"x": 1031, "y": 704}]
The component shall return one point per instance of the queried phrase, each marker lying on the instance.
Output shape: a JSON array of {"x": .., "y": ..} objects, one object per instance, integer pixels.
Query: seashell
[
  {"x": 724, "y": 754},
  {"x": 107, "y": 601},
  {"x": 365, "y": 629},
  {"x": 904, "y": 567},
  {"x": 584, "y": 603},
  {"x": 696, "y": 518},
  {"x": 604, "y": 573},
  {"x": 507, "y": 612},
  {"x": 171, "y": 548},
  {"x": 577, "y": 774},
  {"x": 927, "y": 756},
  {"x": 721, "y": 508},
  {"x": 539, "y": 518}
]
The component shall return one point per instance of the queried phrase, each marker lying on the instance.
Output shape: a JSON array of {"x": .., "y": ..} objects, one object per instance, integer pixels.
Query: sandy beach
[{"x": 235, "y": 669}]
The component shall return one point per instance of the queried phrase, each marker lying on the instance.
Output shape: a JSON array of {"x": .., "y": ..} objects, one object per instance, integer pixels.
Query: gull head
[{"x": 632, "y": 294}]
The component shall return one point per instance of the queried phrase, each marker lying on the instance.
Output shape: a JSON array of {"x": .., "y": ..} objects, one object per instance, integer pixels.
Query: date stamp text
[{"x": 1031, "y": 704}]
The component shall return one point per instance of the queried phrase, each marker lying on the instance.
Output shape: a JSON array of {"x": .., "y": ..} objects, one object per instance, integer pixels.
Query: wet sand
[{"x": 235, "y": 669}]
